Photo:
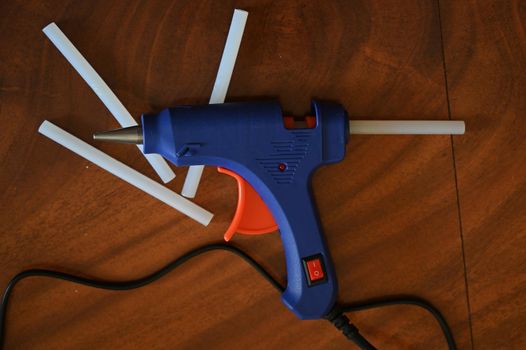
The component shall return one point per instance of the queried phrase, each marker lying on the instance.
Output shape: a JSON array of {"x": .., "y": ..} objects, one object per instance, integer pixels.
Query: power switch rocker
[{"x": 314, "y": 269}]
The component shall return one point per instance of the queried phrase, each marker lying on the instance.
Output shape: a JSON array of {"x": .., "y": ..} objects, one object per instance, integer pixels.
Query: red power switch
[{"x": 314, "y": 269}]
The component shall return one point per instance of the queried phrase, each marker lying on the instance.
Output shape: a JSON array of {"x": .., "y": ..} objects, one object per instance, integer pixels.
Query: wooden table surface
[{"x": 438, "y": 217}]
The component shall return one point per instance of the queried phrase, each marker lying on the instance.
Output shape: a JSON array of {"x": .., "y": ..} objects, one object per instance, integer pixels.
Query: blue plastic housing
[{"x": 250, "y": 139}]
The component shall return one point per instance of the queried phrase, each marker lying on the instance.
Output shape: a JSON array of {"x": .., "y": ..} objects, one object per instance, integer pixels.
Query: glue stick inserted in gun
[{"x": 272, "y": 159}]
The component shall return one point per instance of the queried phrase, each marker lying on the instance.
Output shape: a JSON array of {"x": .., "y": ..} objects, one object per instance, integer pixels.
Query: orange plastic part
[
  {"x": 311, "y": 121},
  {"x": 289, "y": 123},
  {"x": 252, "y": 215}
]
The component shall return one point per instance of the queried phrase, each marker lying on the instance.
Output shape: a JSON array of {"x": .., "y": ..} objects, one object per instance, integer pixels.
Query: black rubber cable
[
  {"x": 127, "y": 285},
  {"x": 349, "y": 330},
  {"x": 408, "y": 300},
  {"x": 336, "y": 316}
]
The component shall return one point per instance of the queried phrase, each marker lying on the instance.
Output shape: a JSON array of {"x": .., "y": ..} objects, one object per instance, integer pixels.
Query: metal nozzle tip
[{"x": 133, "y": 134}]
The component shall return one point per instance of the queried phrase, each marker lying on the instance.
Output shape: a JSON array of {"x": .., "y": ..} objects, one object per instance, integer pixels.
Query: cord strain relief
[{"x": 342, "y": 322}]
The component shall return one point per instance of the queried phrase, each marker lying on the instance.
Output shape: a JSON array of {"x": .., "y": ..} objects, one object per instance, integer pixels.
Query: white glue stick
[
  {"x": 126, "y": 173},
  {"x": 101, "y": 89},
  {"x": 407, "y": 127},
  {"x": 224, "y": 74}
]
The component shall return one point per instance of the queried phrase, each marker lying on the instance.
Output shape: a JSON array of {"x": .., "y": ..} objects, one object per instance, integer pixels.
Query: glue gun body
[{"x": 251, "y": 140}]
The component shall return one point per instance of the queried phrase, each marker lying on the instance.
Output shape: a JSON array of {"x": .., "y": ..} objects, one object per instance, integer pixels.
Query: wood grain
[
  {"x": 389, "y": 210},
  {"x": 485, "y": 51}
]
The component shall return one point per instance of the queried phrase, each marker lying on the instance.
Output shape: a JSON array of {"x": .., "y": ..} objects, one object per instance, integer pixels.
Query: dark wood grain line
[
  {"x": 454, "y": 163},
  {"x": 485, "y": 52}
]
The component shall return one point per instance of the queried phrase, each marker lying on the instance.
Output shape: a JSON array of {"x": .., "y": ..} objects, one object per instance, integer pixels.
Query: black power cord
[
  {"x": 339, "y": 320},
  {"x": 336, "y": 316}
]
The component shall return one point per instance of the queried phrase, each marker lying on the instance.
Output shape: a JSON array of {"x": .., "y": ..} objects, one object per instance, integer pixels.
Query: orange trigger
[{"x": 252, "y": 215}]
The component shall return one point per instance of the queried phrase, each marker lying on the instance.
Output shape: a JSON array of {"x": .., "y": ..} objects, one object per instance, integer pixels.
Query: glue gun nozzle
[{"x": 133, "y": 134}]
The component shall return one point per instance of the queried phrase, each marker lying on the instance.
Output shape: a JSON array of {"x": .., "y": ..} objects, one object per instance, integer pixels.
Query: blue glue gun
[{"x": 273, "y": 161}]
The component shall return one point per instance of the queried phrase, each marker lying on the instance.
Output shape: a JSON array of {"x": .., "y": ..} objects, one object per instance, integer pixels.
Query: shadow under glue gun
[{"x": 272, "y": 160}]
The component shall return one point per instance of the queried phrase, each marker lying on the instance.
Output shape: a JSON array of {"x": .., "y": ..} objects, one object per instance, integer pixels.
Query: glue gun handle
[{"x": 311, "y": 280}]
